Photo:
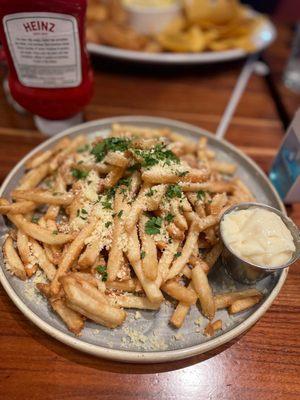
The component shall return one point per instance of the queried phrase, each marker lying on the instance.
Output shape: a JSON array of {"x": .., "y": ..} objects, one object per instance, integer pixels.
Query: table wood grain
[{"x": 263, "y": 364}]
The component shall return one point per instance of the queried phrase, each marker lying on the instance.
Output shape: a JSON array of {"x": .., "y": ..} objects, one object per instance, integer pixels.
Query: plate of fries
[
  {"x": 204, "y": 31},
  {"x": 110, "y": 239}
]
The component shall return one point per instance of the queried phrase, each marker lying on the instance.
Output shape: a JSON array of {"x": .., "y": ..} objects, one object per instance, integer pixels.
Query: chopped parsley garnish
[
  {"x": 143, "y": 253},
  {"x": 78, "y": 173},
  {"x": 155, "y": 155},
  {"x": 134, "y": 167},
  {"x": 83, "y": 148},
  {"x": 173, "y": 191},
  {"x": 110, "y": 144},
  {"x": 124, "y": 182},
  {"x": 120, "y": 214},
  {"x": 150, "y": 192},
  {"x": 107, "y": 205},
  {"x": 183, "y": 173},
  {"x": 102, "y": 270},
  {"x": 54, "y": 232},
  {"x": 34, "y": 219},
  {"x": 107, "y": 224},
  {"x": 82, "y": 213},
  {"x": 48, "y": 183},
  {"x": 169, "y": 217},
  {"x": 153, "y": 225},
  {"x": 201, "y": 195},
  {"x": 178, "y": 254}
]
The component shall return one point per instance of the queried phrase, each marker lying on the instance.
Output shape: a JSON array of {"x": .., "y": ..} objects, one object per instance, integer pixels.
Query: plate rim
[
  {"x": 180, "y": 58},
  {"x": 127, "y": 355}
]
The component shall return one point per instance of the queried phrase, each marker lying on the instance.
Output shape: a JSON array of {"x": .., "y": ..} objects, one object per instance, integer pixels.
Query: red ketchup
[{"x": 44, "y": 43}]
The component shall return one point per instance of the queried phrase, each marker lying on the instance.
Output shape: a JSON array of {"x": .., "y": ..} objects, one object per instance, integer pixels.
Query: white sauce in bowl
[{"x": 258, "y": 236}]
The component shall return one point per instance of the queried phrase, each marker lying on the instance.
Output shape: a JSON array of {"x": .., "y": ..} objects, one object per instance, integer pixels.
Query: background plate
[
  {"x": 262, "y": 38},
  {"x": 146, "y": 336}
]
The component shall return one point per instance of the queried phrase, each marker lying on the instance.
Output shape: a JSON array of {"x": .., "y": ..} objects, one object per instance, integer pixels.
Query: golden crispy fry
[
  {"x": 204, "y": 292},
  {"x": 72, "y": 253},
  {"x": 224, "y": 300},
  {"x": 155, "y": 175},
  {"x": 191, "y": 40},
  {"x": 212, "y": 327},
  {"x": 243, "y": 304},
  {"x": 42, "y": 260},
  {"x": 179, "y": 292},
  {"x": 133, "y": 253},
  {"x": 41, "y": 196},
  {"x": 21, "y": 207},
  {"x": 213, "y": 187},
  {"x": 223, "y": 167},
  {"x": 13, "y": 261},
  {"x": 116, "y": 258},
  {"x": 149, "y": 251},
  {"x": 24, "y": 252},
  {"x": 166, "y": 261},
  {"x": 212, "y": 256},
  {"x": 72, "y": 319},
  {"x": 34, "y": 177},
  {"x": 39, "y": 233},
  {"x": 83, "y": 299},
  {"x": 144, "y": 203},
  {"x": 181, "y": 311},
  {"x": 117, "y": 159},
  {"x": 131, "y": 301},
  {"x": 187, "y": 249}
]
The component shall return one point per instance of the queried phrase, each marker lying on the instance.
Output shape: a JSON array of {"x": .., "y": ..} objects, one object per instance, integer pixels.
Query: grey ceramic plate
[{"x": 147, "y": 336}]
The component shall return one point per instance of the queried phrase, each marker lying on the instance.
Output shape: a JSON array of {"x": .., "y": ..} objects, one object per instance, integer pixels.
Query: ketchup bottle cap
[{"x": 52, "y": 127}]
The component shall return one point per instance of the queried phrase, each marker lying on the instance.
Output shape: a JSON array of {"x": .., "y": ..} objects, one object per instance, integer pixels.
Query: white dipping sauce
[{"x": 258, "y": 236}]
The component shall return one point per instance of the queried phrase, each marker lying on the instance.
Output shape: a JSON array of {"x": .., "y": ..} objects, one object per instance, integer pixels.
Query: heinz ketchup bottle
[{"x": 49, "y": 71}]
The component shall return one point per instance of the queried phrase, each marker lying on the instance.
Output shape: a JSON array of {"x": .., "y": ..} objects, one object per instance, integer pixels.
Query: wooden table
[{"x": 264, "y": 364}]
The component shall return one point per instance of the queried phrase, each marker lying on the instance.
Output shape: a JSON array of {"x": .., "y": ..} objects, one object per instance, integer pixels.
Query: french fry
[
  {"x": 21, "y": 207},
  {"x": 126, "y": 286},
  {"x": 223, "y": 167},
  {"x": 144, "y": 203},
  {"x": 175, "y": 232},
  {"x": 116, "y": 258},
  {"x": 180, "y": 293},
  {"x": 117, "y": 159},
  {"x": 41, "y": 196},
  {"x": 43, "y": 261},
  {"x": 131, "y": 301},
  {"x": 155, "y": 176},
  {"x": 212, "y": 327},
  {"x": 85, "y": 302},
  {"x": 213, "y": 187},
  {"x": 243, "y": 304},
  {"x": 72, "y": 319},
  {"x": 179, "y": 219},
  {"x": 15, "y": 264},
  {"x": 90, "y": 254},
  {"x": 224, "y": 300},
  {"x": 133, "y": 253},
  {"x": 72, "y": 146},
  {"x": 187, "y": 249},
  {"x": 39, "y": 233},
  {"x": 34, "y": 177},
  {"x": 204, "y": 292},
  {"x": 165, "y": 261},
  {"x": 149, "y": 261},
  {"x": 72, "y": 253},
  {"x": 181, "y": 311},
  {"x": 24, "y": 252},
  {"x": 212, "y": 256},
  {"x": 38, "y": 159}
]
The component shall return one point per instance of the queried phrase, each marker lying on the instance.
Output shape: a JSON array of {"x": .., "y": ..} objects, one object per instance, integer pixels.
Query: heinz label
[{"x": 45, "y": 49}]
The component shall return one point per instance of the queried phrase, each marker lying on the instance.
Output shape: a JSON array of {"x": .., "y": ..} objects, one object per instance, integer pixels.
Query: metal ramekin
[{"x": 245, "y": 271}]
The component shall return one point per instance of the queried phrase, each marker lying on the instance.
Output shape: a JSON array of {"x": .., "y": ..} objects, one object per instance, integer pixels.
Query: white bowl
[{"x": 151, "y": 20}]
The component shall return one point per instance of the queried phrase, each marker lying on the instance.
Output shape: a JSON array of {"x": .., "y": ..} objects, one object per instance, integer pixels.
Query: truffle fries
[{"x": 123, "y": 222}]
